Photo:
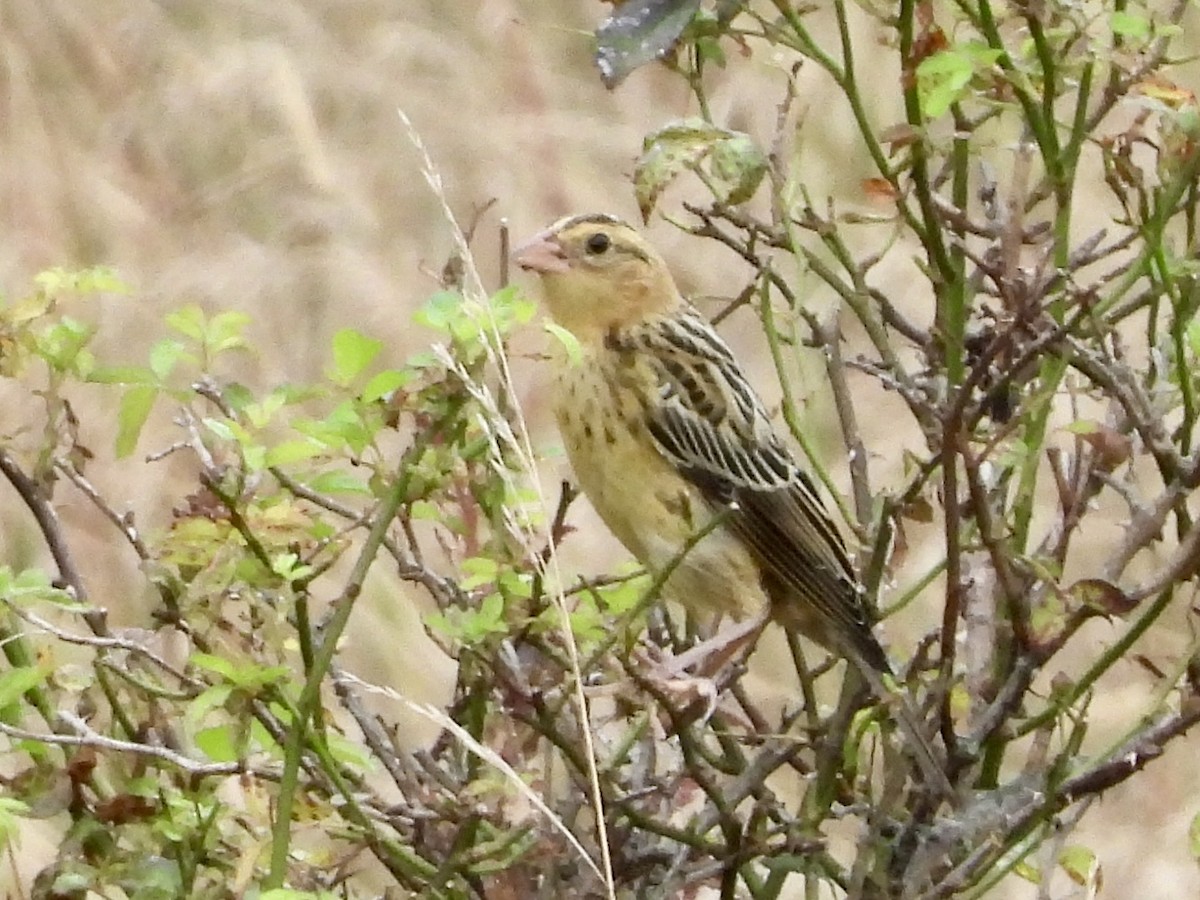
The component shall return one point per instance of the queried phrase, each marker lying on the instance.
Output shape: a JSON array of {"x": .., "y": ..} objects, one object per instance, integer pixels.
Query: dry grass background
[{"x": 249, "y": 155}]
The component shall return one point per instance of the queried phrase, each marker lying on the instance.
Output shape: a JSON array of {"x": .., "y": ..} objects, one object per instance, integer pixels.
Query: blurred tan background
[{"x": 250, "y": 156}]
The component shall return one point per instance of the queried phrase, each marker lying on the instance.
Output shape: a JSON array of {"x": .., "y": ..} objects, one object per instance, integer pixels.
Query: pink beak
[{"x": 543, "y": 254}]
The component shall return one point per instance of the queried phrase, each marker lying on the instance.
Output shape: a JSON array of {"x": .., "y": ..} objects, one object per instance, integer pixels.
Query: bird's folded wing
[{"x": 709, "y": 423}]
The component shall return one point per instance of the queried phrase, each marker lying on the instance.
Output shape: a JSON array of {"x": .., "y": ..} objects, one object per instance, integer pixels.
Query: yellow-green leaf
[{"x": 135, "y": 409}]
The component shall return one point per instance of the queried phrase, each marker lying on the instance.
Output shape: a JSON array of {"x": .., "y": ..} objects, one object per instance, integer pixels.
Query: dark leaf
[
  {"x": 124, "y": 808},
  {"x": 638, "y": 32}
]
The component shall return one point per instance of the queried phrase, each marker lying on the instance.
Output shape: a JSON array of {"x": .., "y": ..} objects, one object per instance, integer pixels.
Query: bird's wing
[{"x": 710, "y": 424}]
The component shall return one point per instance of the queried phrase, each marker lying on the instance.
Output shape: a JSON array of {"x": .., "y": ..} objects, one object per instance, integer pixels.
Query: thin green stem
[{"x": 310, "y": 695}]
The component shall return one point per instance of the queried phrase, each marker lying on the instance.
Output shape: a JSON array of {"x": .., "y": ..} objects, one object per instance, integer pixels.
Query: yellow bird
[
  {"x": 665, "y": 435},
  {"x": 664, "y": 432}
]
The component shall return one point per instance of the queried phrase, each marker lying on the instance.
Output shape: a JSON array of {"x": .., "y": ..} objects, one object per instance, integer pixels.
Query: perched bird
[{"x": 664, "y": 433}]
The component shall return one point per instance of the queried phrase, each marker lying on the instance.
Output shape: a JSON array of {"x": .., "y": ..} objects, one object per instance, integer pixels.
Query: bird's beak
[{"x": 543, "y": 254}]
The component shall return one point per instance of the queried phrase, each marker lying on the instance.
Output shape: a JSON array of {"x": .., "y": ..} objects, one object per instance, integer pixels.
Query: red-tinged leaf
[{"x": 880, "y": 190}]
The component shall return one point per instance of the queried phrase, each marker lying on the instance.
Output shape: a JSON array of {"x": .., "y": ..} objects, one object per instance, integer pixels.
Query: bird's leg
[
  {"x": 713, "y": 654},
  {"x": 700, "y": 673}
]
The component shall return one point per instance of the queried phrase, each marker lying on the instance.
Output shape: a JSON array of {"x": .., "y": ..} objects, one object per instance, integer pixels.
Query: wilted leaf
[
  {"x": 1111, "y": 447},
  {"x": 81, "y": 765},
  {"x": 1102, "y": 596},
  {"x": 1166, "y": 91},
  {"x": 899, "y": 135},
  {"x": 639, "y": 32},
  {"x": 738, "y": 167},
  {"x": 735, "y": 167},
  {"x": 918, "y": 509},
  {"x": 124, "y": 808}
]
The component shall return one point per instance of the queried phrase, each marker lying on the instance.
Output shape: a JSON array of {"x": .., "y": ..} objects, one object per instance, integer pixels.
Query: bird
[{"x": 668, "y": 440}]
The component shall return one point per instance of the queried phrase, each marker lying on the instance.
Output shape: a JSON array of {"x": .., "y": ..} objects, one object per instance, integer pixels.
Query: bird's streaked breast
[{"x": 600, "y": 406}]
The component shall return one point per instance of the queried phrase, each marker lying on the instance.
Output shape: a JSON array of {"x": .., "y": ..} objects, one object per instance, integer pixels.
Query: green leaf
[
  {"x": 1129, "y": 25},
  {"x": 99, "y": 279},
  {"x": 352, "y": 353},
  {"x": 212, "y": 698},
  {"x": 943, "y": 77},
  {"x": 423, "y": 509},
  {"x": 222, "y": 428},
  {"x": 440, "y": 311},
  {"x": 15, "y": 682},
  {"x": 188, "y": 320},
  {"x": 385, "y": 384},
  {"x": 244, "y": 675},
  {"x": 338, "y": 482},
  {"x": 1194, "y": 837},
  {"x": 217, "y": 743},
  {"x": 639, "y": 32},
  {"x": 479, "y": 570},
  {"x": 224, "y": 332},
  {"x": 30, "y": 586},
  {"x": 293, "y": 451},
  {"x": 287, "y": 566},
  {"x": 165, "y": 354},
  {"x": 1029, "y": 871},
  {"x": 1080, "y": 864},
  {"x": 122, "y": 375},
  {"x": 62, "y": 345},
  {"x": 569, "y": 342},
  {"x": 136, "y": 404},
  {"x": 218, "y": 665},
  {"x": 11, "y": 812},
  {"x": 349, "y": 752}
]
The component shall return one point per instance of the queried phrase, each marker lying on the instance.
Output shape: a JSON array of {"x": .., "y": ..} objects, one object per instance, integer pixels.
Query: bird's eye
[{"x": 597, "y": 243}]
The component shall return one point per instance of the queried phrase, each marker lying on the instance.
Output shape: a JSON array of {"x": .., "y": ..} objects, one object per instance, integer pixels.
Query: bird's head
[{"x": 597, "y": 274}]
